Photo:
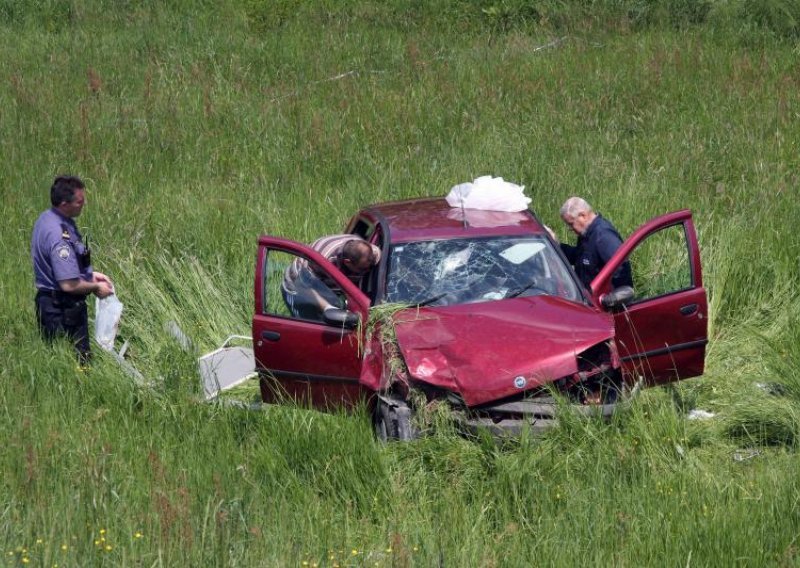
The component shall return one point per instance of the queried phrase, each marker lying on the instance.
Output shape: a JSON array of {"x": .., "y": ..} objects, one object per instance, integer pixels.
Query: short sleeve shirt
[
  {"x": 56, "y": 245},
  {"x": 331, "y": 248}
]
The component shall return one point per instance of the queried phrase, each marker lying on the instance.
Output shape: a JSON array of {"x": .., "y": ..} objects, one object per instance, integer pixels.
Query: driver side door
[
  {"x": 299, "y": 354},
  {"x": 661, "y": 334}
]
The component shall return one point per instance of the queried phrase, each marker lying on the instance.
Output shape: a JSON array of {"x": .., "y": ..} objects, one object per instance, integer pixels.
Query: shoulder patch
[{"x": 63, "y": 252}]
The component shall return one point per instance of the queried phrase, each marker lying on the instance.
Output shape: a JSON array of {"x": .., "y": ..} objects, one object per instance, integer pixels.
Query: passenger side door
[
  {"x": 298, "y": 353},
  {"x": 661, "y": 334}
]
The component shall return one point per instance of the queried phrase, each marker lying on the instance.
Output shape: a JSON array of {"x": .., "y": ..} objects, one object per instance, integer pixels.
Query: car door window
[
  {"x": 661, "y": 264},
  {"x": 297, "y": 288}
]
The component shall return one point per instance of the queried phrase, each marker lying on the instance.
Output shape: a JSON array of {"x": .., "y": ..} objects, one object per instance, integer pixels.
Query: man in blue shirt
[
  {"x": 598, "y": 240},
  {"x": 62, "y": 268}
]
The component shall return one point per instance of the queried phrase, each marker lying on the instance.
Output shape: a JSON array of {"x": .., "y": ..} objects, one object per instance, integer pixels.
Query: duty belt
[{"x": 60, "y": 295}]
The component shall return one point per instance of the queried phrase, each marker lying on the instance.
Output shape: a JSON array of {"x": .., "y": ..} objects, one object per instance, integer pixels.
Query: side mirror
[
  {"x": 340, "y": 317},
  {"x": 617, "y": 298}
]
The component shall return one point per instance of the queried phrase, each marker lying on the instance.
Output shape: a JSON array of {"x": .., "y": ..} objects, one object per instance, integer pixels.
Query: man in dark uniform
[
  {"x": 62, "y": 268},
  {"x": 598, "y": 240}
]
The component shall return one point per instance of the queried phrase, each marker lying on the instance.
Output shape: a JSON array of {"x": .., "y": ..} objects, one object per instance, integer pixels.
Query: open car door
[
  {"x": 662, "y": 332},
  {"x": 302, "y": 352}
]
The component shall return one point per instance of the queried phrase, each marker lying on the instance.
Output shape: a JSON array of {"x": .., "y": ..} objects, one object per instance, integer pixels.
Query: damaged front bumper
[{"x": 512, "y": 418}]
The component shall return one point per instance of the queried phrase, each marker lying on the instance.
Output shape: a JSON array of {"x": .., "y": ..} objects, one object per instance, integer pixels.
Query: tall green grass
[{"x": 199, "y": 126}]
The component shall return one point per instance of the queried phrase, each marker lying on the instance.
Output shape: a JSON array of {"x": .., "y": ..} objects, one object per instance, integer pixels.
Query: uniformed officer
[
  {"x": 598, "y": 240},
  {"x": 62, "y": 268}
]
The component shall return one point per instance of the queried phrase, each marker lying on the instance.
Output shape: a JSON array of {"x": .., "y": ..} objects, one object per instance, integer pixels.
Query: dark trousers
[{"x": 60, "y": 314}]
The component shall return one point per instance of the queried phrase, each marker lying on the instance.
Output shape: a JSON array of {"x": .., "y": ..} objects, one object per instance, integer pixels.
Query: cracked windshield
[{"x": 463, "y": 271}]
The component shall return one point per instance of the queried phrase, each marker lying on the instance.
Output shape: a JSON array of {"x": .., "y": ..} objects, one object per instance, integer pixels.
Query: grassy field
[{"x": 200, "y": 125}]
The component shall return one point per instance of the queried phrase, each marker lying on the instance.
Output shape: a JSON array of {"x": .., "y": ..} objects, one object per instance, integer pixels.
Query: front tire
[{"x": 393, "y": 420}]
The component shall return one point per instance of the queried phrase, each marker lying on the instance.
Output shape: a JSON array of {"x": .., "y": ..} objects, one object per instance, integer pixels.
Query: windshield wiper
[
  {"x": 519, "y": 291},
  {"x": 429, "y": 300}
]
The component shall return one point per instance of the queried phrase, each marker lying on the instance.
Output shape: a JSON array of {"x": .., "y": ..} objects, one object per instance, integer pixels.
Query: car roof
[{"x": 433, "y": 218}]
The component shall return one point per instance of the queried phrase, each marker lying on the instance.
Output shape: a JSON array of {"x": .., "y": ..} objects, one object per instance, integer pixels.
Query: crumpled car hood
[{"x": 481, "y": 350}]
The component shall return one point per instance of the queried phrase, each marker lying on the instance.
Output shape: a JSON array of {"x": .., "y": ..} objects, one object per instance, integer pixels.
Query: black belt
[{"x": 60, "y": 295}]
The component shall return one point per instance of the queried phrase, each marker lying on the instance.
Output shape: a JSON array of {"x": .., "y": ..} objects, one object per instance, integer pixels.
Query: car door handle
[
  {"x": 270, "y": 335},
  {"x": 689, "y": 309}
]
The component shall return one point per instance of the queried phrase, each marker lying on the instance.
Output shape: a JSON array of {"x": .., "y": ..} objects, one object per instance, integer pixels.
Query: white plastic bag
[
  {"x": 490, "y": 194},
  {"x": 108, "y": 312}
]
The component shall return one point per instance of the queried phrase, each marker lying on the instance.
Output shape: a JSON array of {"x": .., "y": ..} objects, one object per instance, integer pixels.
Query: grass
[{"x": 198, "y": 133}]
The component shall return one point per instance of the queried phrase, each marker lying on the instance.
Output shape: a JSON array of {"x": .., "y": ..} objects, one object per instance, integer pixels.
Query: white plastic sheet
[
  {"x": 490, "y": 194},
  {"x": 108, "y": 312}
]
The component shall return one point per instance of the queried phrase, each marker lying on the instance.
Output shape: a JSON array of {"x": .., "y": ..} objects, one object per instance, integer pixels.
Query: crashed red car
[{"x": 486, "y": 314}]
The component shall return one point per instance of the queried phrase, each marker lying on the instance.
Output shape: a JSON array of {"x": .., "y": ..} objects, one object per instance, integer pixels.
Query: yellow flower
[
  {"x": 64, "y": 547},
  {"x": 25, "y": 560},
  {"x": 39, "y": 541},
  {"x": 138, "y": 535},
  {"x": 354, "y": 552},
  {"x": 388, "y": 551},
  {"x": 108, "y": 548},
  {"x": 102, "y": 531}
]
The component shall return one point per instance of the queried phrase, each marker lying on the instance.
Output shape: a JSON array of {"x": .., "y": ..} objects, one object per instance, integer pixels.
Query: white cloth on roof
[{"x": 490, "y": 194}]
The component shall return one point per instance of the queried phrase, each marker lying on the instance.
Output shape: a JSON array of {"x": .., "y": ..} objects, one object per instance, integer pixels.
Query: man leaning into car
[
  {"x": 309, "y": 292},
  {"x": 598, "y": 240}
]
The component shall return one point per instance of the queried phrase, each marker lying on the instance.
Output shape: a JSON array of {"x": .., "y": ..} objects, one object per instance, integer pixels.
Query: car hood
[{"x": 492, "y": 350}]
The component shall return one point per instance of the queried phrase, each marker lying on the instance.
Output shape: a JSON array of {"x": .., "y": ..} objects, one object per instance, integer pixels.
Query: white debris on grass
[
  {"x": 744, "y": 455},
  {"x": 697, "y": 414}
]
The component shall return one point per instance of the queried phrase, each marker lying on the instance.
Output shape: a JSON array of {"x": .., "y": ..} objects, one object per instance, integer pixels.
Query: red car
[{"x": 482, "y": 310}]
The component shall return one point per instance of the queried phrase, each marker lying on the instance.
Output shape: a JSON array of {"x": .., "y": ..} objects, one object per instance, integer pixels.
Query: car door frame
[
  {"x": 337, "y": 347},
  {"x": 662, "y": 338}
]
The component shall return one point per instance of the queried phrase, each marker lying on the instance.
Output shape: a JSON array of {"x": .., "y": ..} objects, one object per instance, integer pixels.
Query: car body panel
[
  {"x": 661, "y": 339},
  {"x": 481, "y": 350},
  {"x": 304, "y": 360}
]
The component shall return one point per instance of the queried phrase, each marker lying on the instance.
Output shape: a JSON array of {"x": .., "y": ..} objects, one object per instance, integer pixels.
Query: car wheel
[{"x": 392, "y": 420}]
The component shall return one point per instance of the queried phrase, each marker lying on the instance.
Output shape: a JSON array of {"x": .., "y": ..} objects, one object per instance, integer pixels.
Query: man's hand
[
  {"x": 100, "y": 277},
  {"x": 104, "y": 289},
  {"x": 551, "y": 233}
]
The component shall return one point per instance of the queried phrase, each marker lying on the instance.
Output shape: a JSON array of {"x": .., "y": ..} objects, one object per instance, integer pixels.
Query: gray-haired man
[{"x": 598, "y": 240}]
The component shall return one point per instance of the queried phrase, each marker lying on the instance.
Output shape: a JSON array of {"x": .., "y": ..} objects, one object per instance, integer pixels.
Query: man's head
[
  {"x": 357, "y": 258},
  {"x": 578, "y": 214},
  {"x": 67, "y": 195}
]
